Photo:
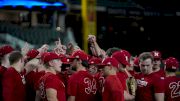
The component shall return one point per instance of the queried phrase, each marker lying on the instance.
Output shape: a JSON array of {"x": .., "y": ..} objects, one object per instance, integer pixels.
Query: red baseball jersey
[
  {"x": 82, "y": 85},
  {"x": 132, "y": 72},
  {"x": 50, "y": 80},
  {"x": 122, "y": 77},
  {"x": 2, "y": 70},
  {"x": 113, "y": 90},
  {"x": 160, "y": 73},
  {"x": 172, "y": 88},
  {"x": 100, "y": 84},
  {"x": 30, "y": 91},
  {"x": 147, "y": 86},
  {"x": 38, "y": 75},
  {"x": 13, "y": 86},
  {"x": 64, "y": 78}
]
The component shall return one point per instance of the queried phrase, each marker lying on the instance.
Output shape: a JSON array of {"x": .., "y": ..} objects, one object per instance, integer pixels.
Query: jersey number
[
  {"x": 42, "y": 90},
  {"x": 175, "y": 89},
  {"x": 91, "y": 86}
]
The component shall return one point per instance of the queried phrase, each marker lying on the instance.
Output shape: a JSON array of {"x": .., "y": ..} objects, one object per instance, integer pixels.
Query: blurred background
[{"x": 134, "y": 25}]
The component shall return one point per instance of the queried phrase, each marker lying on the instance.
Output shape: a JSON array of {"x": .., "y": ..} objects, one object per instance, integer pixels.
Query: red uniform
[
  {"x": 50, "y": 80},
  {"x": 113, "y": 90},
  {"x": 161, "y": 73},
  {"x": 64, "y": 78},
  {"x": 147, "y": 86},
  {"x": 2, "y": 70},
  {"x": 122, "y": 77},
  {"x": 132, "y": 72},
  {"x": 172, "y": 88},
  {"x": 100, "y": 84},
  {"x": 38, "y": 75},
  {"x": 13, "y": 86},
  {"x": 30, "y": 91},
  {"x": 83, "y": 86}
]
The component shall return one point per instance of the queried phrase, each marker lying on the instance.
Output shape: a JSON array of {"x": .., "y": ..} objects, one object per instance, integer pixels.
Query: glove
[{"x": 132, "y": 86}]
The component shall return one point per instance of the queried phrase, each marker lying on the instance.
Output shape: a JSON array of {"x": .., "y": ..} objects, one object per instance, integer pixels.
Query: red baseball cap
[
  {"x": 122, "y": 57},
  {"x": 61, "y": 55},
  {"x": 156, "y": 54},
  {"x": 94, "y": 60},
  {"x": 171, "y": 63},
  {"x": 5, "y": 50},
  {"x": 136, "y": 62},
  {"x": 109, "y": 61},
  {"x": 127, "y": 53},
  {"x": 65, "y": 60},
  {"x": 32, "y": 53},
  {"x": 79, "y": 54},
  {"x": 48, "y": 56}
]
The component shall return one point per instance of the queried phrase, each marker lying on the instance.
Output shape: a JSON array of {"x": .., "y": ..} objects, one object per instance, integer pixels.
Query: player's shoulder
[
  {"x": 81, "y": 74},
  {"x": 74, "y": 77},
  {"x": 173, "y": 78},
  {"x": 112, "y": 78},
  {"x": 155, "y": 75},
  {"x": 50, "y": 76},
  {"x": 11, "y": 71},
  {"x": 2, "y": 69}
]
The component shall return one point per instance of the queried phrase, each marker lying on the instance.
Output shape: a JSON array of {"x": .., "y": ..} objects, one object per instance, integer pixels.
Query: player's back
[
  {"x": 172, "y": 88},
  {"x": 83, "y": 86}
]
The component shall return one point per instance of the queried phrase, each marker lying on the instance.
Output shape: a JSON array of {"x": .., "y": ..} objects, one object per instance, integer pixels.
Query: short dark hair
[
  {"x": 110, "y": 51},
  {"x": 171, "y": 70},
  {"x": 46, "y": 65},
  {"x": 15, "y": 57},
  {"x": 84, "y": 63},
  {"x": 146, "y": 55}
]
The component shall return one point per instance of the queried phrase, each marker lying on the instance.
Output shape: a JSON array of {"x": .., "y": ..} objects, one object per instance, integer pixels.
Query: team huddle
[{"x": 67, "y": 73}]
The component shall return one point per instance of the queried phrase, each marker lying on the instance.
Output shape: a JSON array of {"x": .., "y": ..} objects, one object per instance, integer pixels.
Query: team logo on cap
[
  {"x": 156, "y": 54},
  {"x": 109, "y": 63},
  {"x": 92, "y": 62},
  {"x": 77, "y": 56}
]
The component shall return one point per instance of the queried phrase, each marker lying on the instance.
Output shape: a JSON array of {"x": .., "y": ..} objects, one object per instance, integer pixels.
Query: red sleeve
[
  {"x": 72, "y": 86},
  {"x": 8, "y": 86},
  {"x": 30, "y": 78},
  {"x": 1, "y": 70},
  {"x": 52, "y": 82},
  {"x": 117, "y": 93},
  {"x": 116, "y": 96},
  {"x": 122, "y": 79},
  {"x": 37, "y": 76},
  {"x": 159, "y": 85}
]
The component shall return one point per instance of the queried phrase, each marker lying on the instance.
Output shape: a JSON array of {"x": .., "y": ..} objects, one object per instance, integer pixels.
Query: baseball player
[
  {"x": 123, "y": 57},
  {"x": 150, "y": 87},
  {"x": 31, "y": 63},
  {"x": 81, "y": 85},
  {"x": 13, "y": 81},
  {"x": 113, "y": 90},
  {"x": 157, "y": 64},
  {"x": 94, "y": 70},
  {"x": 172, "y": 82},
  {"x": 51, "y": 88},
  {"x": 4, "y": 63}
]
